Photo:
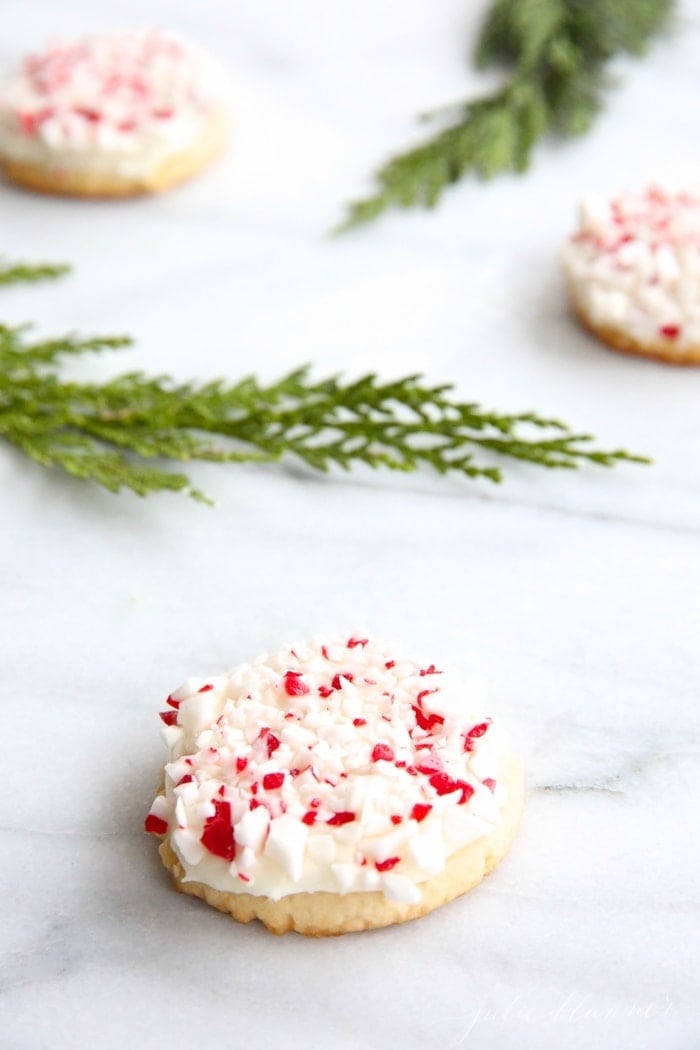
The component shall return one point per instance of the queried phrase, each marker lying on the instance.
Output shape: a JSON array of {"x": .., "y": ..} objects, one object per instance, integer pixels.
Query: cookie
[
  {"x": 633, "y": 271},
  {"x": 333, "y": 787},
  {"x": 113, "y": 115}
]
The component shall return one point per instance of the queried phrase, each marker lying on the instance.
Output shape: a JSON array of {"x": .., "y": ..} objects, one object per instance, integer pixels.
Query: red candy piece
[
  {"x": 217, "y": 836},
  {"x": 241, "y": 763},
  {"x": 420, "y": 811},
  {"x": 429, "y": 765},
  {"x": 28, "y": 122},
  {"x": 172, "y": 702},
  {"x": 423, "y": 693},
  {"x": 670, "y": 331},
  {"x": 338, "y": 819},
  {"x": 387, "y": 865},
  {"x": 273, "y": 780},
  {"x": 272, "y": 743},
  {"x": 336, "y": 683},
  {"x": 427, "y": 722},
  {"x": 395, "y": 818},
  {"x": 169, "y": 717},
  {"x": 489, "y": 783},
  {"x": 205, "y": 688},
  {"x": 324, "y": 691},
  {"x": 309, "y": 817},
  {"x": 359, "y": 721},
  {"x": 424, "y": 720},
  {"x": 354, "y": 642},
  {"x": 443, "y": 784},
  {"x": 382, "y": 753},
  {"x": 187, "y": 779},
  {"x": 92, "y": 116},
  {"x": 293, "y": 684},
  {"x": 478, "y": 730},
  {"x": 155, "y": 825}
]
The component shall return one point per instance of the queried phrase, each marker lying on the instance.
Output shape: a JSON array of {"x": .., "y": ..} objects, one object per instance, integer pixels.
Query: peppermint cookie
[
  {"x": 633, "y": 269},
  {"x": 333, "y": 787},
  {"x": 113, "y": 115}
]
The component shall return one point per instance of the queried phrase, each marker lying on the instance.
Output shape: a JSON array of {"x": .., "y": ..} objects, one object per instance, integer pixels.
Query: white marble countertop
[{"x": 578, "y": 593}]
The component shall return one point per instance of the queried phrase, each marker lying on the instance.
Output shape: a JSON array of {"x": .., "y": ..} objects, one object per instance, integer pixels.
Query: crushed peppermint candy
[
  {"x": 633, "y": 265},
  {"x": 325, "y": 767},
  {"x": 112, "y": 91}
]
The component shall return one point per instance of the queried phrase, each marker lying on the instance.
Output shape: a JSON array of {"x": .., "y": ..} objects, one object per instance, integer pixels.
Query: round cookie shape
[
  {"x": 335, "y": 786},
  {"x": 633, "y": 271},
  {"x": 113, "y": 115}
]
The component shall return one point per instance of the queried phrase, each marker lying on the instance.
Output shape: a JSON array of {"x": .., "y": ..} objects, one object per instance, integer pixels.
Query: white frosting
[
  {"x": 334, "y": 765},
  {"x": 634, "y": 265},
  {"x": 120, "y": 102}
]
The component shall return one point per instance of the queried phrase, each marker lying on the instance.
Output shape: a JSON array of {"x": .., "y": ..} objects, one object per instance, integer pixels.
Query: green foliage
[
  {"x": 556, "y": 52},
  {"x": 21, "y": 273},
  {"x": 120, "y": 433}
]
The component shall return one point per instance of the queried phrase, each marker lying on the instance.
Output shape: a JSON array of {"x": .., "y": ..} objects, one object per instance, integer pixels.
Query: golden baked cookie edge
[{"x": 324, "y": 914}]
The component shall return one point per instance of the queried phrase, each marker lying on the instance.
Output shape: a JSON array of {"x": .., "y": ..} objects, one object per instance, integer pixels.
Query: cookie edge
[
  {"x": 178, "y": 167},
  {"x": 621, "y": 341},
  {"x": 325, "y": 914}
]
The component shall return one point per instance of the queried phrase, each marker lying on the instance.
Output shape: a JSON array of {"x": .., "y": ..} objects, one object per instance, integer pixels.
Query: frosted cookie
[
  {"x": 333, "y": 787},
  {"x": 113, "y": 115},
  {"x": 633, "y": 269}
]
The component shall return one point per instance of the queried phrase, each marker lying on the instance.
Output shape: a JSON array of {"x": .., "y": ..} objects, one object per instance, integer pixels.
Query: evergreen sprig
[
  {"x": 16, "y": 273},
  {"x": 120, "y": 432},
  {"x": 557, "y": 51}
]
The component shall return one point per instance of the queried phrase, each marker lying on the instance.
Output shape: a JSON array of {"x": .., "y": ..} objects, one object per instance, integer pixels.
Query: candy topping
[
  {"x": 155, "y": 825},
  {"x": 113, "y": 91},
  {"x": 338, "y": 819},
  {"x": 387, "y": 865},
  {"x": 634, "y": 265},
  {"x": 293, "y": 684},
  {"x": 478, "y": 730},
  {"x": 273, "y": 780},
  {"x": 217, "y": 835},
  {"x": 366, "y": 771},
  {"x": 382, "y": 753}
]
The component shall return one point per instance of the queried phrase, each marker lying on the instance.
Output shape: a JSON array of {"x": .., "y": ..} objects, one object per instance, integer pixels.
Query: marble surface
[{"x": 578, "y": 595}]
